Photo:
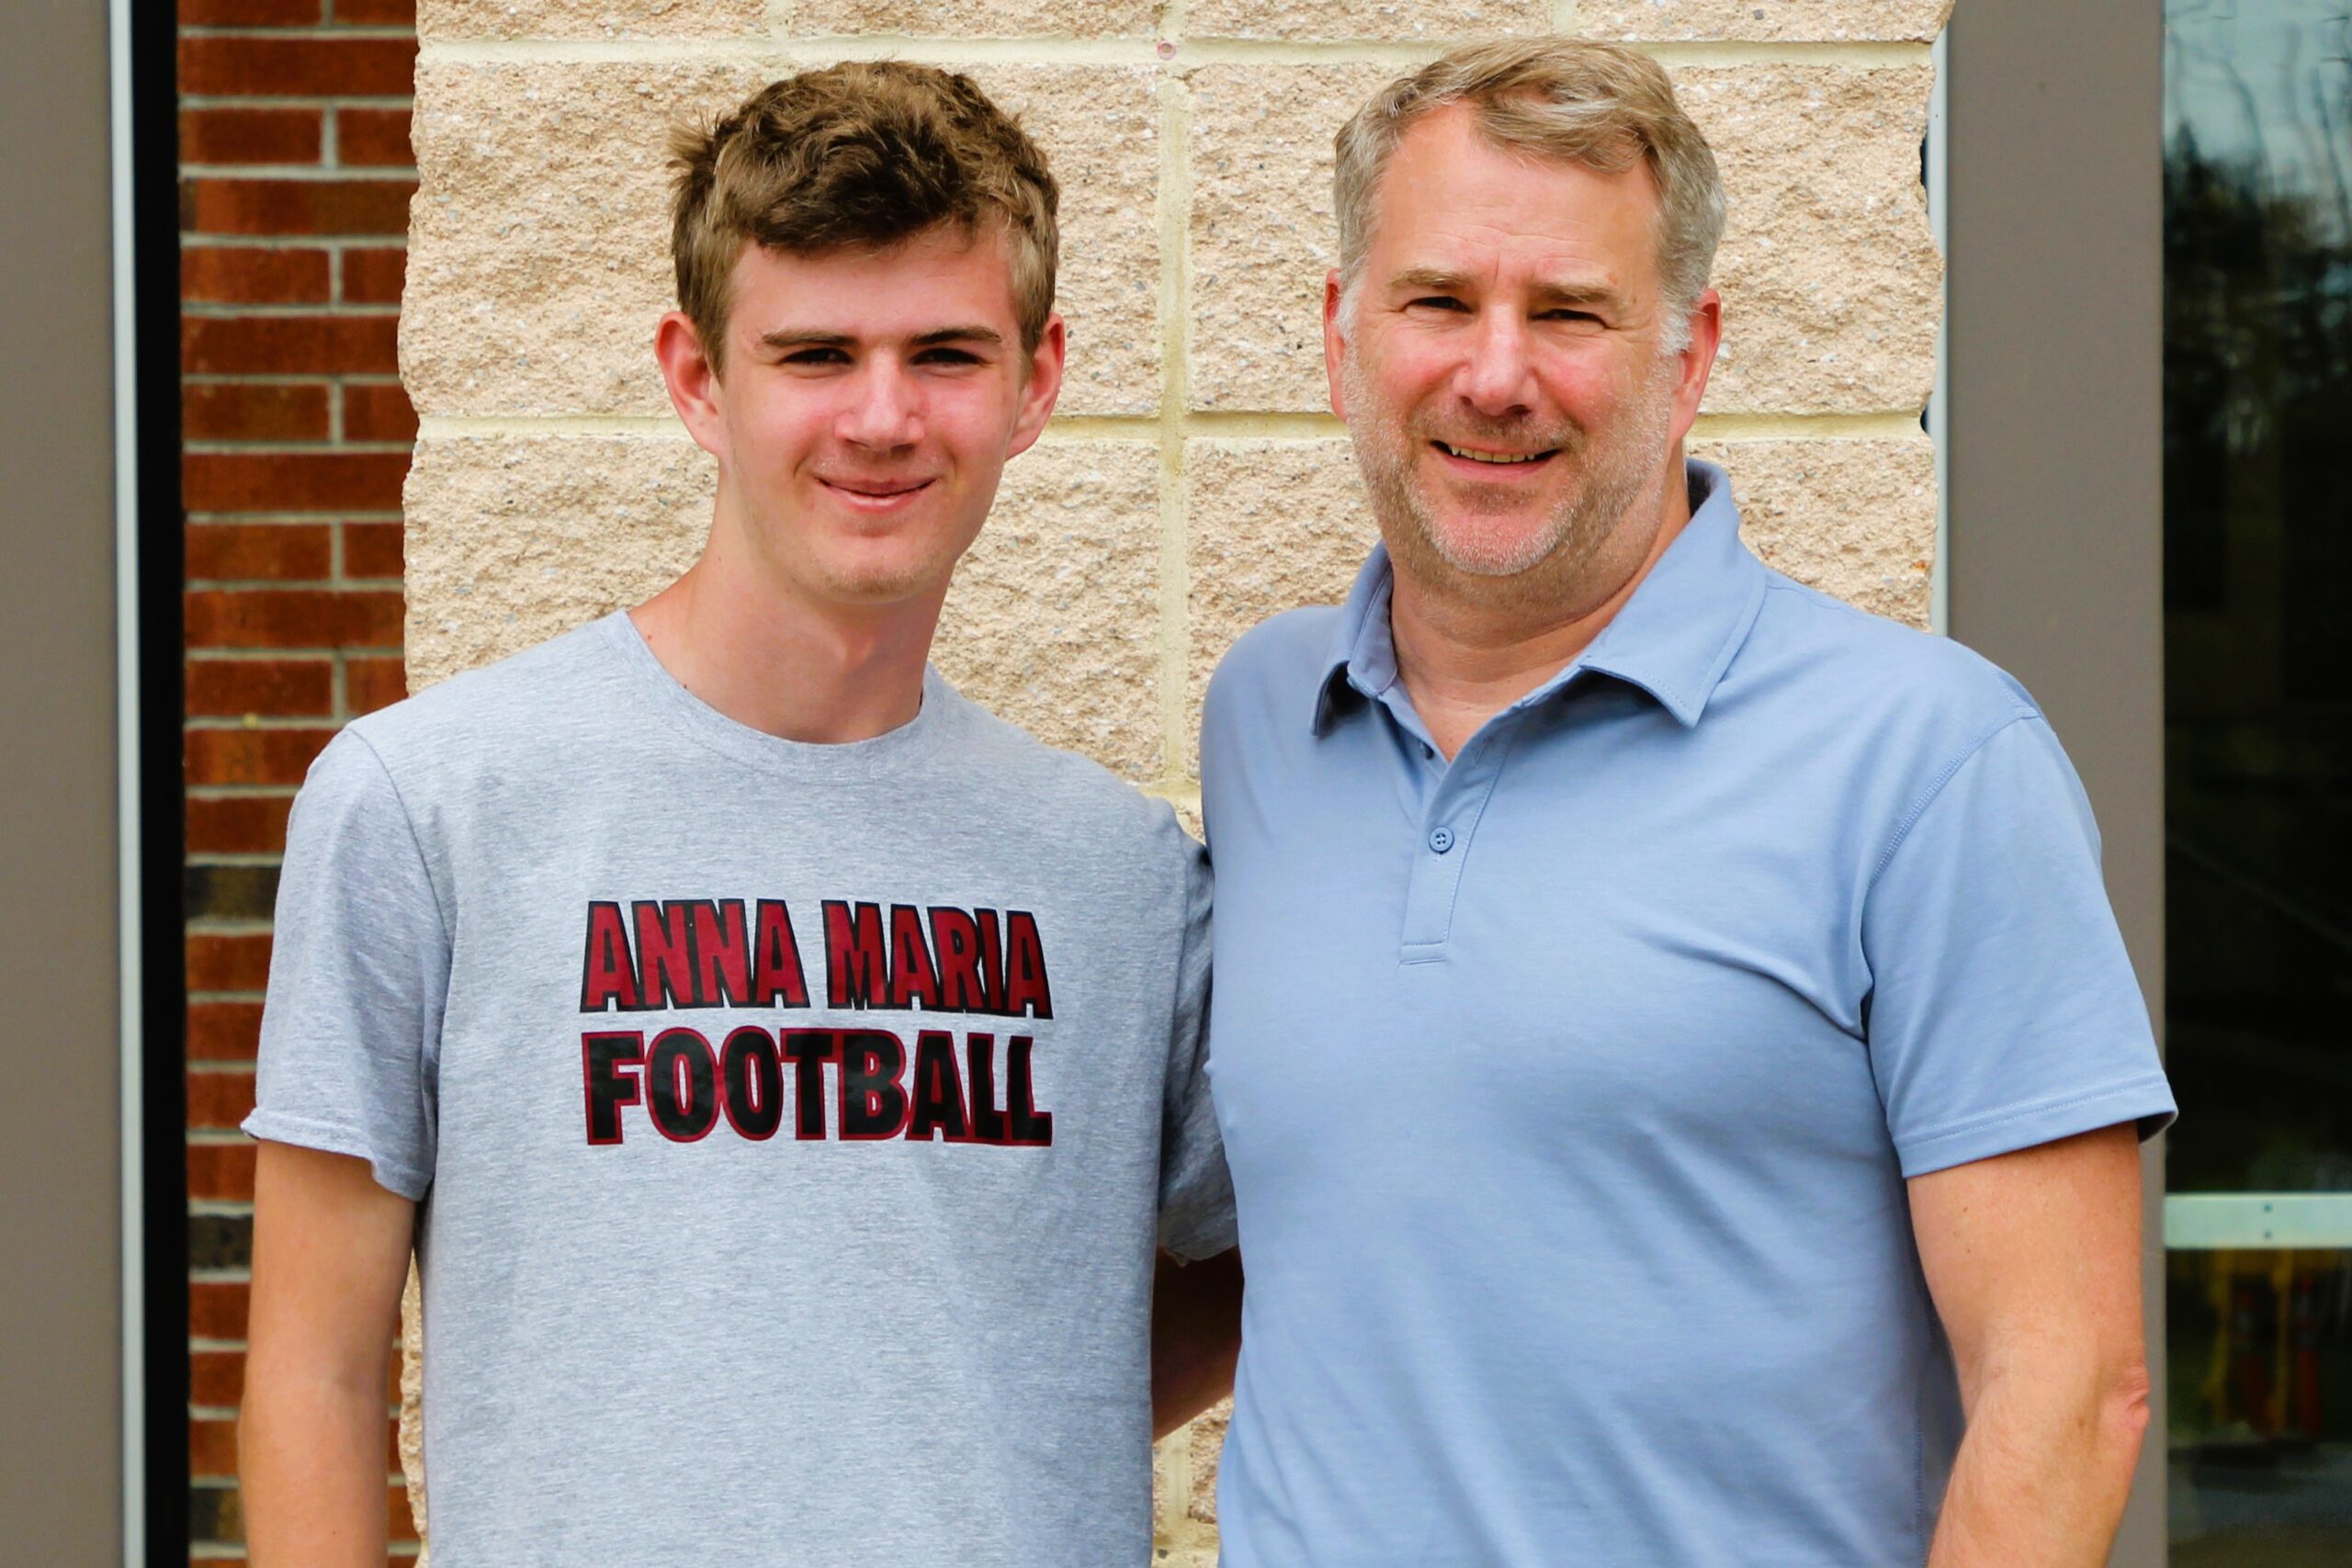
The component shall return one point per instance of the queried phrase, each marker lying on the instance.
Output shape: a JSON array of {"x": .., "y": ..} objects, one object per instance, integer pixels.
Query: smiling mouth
[
  {"x": 1496, "y": 459},
  {"x": 878, "y": 489}
]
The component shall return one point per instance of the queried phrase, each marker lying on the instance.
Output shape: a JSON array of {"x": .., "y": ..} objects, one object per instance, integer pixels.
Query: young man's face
[{"x": 870, "y": 401}]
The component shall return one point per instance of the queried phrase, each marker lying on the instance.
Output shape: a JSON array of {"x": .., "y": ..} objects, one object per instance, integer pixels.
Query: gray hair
[{"x": 1600, "y": 106}]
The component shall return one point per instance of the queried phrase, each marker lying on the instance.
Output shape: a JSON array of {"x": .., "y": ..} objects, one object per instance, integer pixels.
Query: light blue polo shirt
[{"x": 1569, "y": 1089}]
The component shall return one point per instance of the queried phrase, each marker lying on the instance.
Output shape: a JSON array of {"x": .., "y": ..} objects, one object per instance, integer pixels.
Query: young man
[
  {"x": 782, "y": 1067},
  {"x": 1679, "y": 1066}
]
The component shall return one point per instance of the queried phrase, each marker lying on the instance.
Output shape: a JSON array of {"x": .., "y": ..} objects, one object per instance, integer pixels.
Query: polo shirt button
[{"x": 1442, "y": 839}]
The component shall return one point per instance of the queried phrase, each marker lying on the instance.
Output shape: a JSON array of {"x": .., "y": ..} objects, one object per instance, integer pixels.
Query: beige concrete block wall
[{"x": 1195, "y": 480}]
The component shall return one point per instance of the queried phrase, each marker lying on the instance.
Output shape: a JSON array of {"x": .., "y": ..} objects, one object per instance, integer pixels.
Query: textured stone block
[
  {"x": 411, "y": 1428},
  {"x": 440, "y": 20},
  {"x": 1326, "y": 19},
  {"x": 1831, "y": 282},
  {"x": 1269, "y": 525},
  {"x": 538, "y": 252},
  {"x": 1263, "y": 231},
  {"x": 540, "y": 259},
  {"x": 1829, "y": 275},
  {"x": 1825, "y": 21},
  {"x": 1053, "y": 621},
  {"x": 977, "y": 18},
  {"x": 513, "y": 540},
  {"x": 1098, "y": 126},
  {"x": 1206, "y": 1438},
  {"x": 1852, "y": 518}
]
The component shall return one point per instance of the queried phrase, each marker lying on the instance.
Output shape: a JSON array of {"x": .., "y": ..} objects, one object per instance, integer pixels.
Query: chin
[{"x": 1489, "y": 545}]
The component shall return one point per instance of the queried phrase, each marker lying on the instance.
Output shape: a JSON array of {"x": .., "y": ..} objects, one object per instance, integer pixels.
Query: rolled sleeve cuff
[
  {"x": 392, "y": 1175},
  {"x": 2146, "y": 1101}
]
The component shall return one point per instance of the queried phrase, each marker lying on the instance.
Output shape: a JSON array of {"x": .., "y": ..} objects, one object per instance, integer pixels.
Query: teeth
[{"x": 1494, "y": 457}]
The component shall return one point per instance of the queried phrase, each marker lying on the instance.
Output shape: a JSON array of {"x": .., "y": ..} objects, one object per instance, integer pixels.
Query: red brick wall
[{"x": 295, "y": 180}]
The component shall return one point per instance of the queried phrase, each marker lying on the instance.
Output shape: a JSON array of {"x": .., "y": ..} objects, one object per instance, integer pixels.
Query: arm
[
  {"x": 331, "y": 1253},
  {"x": 2033, "y": 1260},
  {"x": 1195, "y": 1337}
]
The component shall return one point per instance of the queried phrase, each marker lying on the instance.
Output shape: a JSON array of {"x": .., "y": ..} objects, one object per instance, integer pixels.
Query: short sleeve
[
  {"x": 1195, "y": 1192},
  {"x": 358, "y": 973},
  {"x": 2003, "y": 1012}
]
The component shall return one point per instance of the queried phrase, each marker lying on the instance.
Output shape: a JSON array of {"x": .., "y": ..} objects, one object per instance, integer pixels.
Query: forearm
[
  {"x": 2042, "y": 1473},
  {"x": 1195, "y": 1337},
  {"x": 314, "y": 1470}
]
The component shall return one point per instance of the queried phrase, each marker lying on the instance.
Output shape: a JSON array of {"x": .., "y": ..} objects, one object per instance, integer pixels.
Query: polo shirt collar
[{"x": 1673, "y": 640}]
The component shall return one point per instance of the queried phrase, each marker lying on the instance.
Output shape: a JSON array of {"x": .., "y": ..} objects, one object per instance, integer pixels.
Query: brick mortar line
[
  {"x": 322, "y": 379},
  {"x": 322, "y": 33},
  {"x": 280, "y": 243},
  {"x": 295, "y": 514},
  {"x": 314, "y": 447},
  {"x": 272, "y": 311},
  {"x": 191, "y": 101},
  {"x": 1141, "y": 50},
  {"x": 1174, "y": 198},
  {"x": 295, "y": 241},
  {"x": 319, "y": 173},
  {"x": 257, "y": 654}
]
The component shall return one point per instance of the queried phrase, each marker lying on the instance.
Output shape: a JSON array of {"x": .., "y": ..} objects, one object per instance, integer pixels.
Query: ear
[
  {"x": 695, "y": 389},
  {"x": 1335, "y": 341},
  {"x": 1706, "y": 336},
  {"x": 1043, "y": 384}
]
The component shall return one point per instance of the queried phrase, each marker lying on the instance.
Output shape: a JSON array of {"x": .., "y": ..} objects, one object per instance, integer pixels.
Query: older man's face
[{"x": 1507, "y": 367}]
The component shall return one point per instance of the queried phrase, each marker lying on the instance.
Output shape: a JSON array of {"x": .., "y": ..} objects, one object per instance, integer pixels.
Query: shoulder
[
  {"x": 1073, "y": 799},
  {"x": 498, "y": 709},
  {"x": 1278, "y": 661},
  {"x": 1847, "y": 666}
]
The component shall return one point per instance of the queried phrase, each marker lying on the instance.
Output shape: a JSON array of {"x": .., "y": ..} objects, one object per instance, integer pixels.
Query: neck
[
  {"x": 1468, "y": 646},
  {"x": 745, "y": 638}
]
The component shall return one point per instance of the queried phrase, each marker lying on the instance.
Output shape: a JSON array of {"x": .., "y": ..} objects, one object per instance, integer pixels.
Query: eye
[
  {"x": 815, "y": 356},
  {"x": 944, "y": 356},
  {"x": 1565, "y": 314},
  {"x": 1437, "y": 302}
]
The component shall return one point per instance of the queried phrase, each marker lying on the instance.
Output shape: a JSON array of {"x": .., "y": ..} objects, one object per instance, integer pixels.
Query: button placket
[{"x": 1447, "y": 827}]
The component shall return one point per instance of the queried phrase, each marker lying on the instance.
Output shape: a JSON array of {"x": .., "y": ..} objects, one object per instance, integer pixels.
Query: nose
[
  {"x": 1498, "y": 379},
  {"x": 885, "y": 407}
]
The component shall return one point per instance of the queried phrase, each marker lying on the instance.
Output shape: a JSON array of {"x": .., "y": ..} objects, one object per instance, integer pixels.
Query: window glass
[{"x": 2259, "y": 776}]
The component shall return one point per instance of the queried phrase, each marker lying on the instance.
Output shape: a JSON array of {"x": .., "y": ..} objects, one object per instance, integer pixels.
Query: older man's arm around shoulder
[{"x": 2033, "y": 1260}]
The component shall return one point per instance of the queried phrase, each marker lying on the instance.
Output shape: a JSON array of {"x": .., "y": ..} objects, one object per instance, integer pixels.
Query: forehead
[
  {"x": 1451, "y": 199},
  {"x": 939, "y": 275}
]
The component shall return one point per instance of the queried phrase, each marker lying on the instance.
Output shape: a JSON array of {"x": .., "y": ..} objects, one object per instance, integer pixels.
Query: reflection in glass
[
  {"x": 2261, "y": 1368},
  {"x": 2259, "y": 760}
]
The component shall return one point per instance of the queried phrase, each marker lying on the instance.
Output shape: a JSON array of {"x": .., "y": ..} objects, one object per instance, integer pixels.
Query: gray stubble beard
[{"x": 1555, "y": 558}]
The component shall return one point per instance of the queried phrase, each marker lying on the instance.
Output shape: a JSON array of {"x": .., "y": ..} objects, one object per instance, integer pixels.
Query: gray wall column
[
  {"x": 60, "y": 1461},
  {"x": 2057, "y": 369}
]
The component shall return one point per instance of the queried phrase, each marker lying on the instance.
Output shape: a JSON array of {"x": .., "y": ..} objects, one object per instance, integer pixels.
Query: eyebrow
[
  {"x": 787, "y": 338},
  {"x": 1436, "y": 280}
]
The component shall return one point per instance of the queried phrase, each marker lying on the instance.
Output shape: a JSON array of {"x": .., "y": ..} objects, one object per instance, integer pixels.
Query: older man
[{"x": 1677, "y": 1062}]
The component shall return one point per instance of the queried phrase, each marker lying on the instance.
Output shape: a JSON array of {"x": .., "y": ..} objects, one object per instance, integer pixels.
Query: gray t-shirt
[{"x": 792, "y": 1123}]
